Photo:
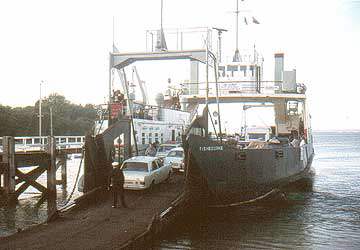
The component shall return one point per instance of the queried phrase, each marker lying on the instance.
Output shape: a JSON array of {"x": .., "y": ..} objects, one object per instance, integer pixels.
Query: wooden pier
[{"x": 16, "y": 180}]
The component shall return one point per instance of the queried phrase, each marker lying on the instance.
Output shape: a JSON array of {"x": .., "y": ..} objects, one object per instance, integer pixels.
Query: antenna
[
  {"x": 161, "y": 43},
  {"x": 161, "y": 20},
  {"x": 113, "y": 33},
  {"x": 236, "y": 57},
  {"x": 220, "y": 31}
]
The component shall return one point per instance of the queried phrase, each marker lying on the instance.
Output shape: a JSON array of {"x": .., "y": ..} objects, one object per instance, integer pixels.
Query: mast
[
  {"x": 161, "y": 17},
  {"x": 236, "y": 57}
]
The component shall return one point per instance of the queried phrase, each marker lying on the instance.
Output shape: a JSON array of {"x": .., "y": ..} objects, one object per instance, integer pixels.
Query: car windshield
[
  {"x": 165, "y": 148},
  {"x": 135, "y": 166},
  {"x": 176, "y": 154}
]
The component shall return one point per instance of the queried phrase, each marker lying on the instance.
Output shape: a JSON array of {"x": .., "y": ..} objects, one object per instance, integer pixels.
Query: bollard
[{"x": 9, "y": 160}]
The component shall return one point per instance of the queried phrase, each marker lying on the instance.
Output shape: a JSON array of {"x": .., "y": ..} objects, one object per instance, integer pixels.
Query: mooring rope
[{"x": 76, "y": 181}]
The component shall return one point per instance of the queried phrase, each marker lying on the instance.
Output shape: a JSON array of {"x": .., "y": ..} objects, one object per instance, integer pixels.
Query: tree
[{"x": 68, "y": 118}]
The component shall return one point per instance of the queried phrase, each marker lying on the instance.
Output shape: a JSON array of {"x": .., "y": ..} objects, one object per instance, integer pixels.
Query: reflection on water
[
  {"x": 30, "y": 210},
  {"x": 324, "y": 214}
]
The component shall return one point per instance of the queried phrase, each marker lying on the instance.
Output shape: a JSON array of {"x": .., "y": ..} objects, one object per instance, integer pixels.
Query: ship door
[{"x": 173, "y": 135}]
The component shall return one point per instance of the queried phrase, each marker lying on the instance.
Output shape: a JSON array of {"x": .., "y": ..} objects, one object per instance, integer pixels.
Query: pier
[
  {"x": 93, "y": 224},
  {"x": 49, "y": 158}
]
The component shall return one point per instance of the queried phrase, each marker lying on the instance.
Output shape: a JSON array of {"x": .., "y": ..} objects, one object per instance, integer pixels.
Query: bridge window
[
  {"x": 63, "y": 140},
  {"x": 143, "y": 138},
  {"x": 243, "y": 69},
  {"x": 232, "y": 68},
  {"x": 37, "y": 140},
  {"x": 29, "y": 141},
  {"x": 221, "y": 71},
  {"x": 156, "y": 137},
  {"x": 78, "y": 139},
  {"x": 252, "y": 69},
  {"x": 72, "y": 139},
  {"x": 150, "y": 137},
  {"x": 162, "y": 138}
]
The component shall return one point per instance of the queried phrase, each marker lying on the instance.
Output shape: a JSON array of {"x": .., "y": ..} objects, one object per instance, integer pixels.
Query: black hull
[{"x": 224, "y": 175}]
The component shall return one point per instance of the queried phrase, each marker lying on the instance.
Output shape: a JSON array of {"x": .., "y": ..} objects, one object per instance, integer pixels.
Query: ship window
[
  {"x": 232, "y": 68},
  {"x": 156, "y": 137},
  {"x": 150, "y": 137},
  {"x": 143, "y": 138},
  {"x": 243, "y": 68},
  {"x": 252, "y": 69},
  {"x": 221, "y": 71},
  {"x": 18, "y": 141}
]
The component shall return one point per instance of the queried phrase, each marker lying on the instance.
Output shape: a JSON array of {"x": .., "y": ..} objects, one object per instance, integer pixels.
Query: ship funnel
[
  {"x": 279, "y": 69},
  {"x": 279, "y": 66}
]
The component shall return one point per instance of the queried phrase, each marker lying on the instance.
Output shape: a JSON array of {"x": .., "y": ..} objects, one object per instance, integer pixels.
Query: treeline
[{"x": 68, "y": 118}]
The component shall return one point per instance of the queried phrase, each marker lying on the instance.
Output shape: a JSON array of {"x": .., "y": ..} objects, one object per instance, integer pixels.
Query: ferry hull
[{"x": 224, "y": 175}]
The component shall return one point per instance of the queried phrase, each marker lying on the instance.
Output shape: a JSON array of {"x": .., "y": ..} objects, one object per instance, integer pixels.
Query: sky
[{"x": 66, "y": 44}]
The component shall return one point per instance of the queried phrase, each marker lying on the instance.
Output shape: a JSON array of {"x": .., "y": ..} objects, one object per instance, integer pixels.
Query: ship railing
[
  {"x": 228, "y": 88},
  {"x": 180, "y": 38}
]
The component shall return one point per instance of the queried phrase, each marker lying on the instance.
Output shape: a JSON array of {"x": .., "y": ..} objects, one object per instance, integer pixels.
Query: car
[
  {"x": 143, "y": 172},
  {"x": 164, "y": 149},
  {"x": 175, "y": 158}
]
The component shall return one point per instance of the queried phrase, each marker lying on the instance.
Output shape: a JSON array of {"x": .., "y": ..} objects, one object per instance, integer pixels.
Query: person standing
[
  {"x": 117, "y": 181},
  {"x": 151, "y": 150}
]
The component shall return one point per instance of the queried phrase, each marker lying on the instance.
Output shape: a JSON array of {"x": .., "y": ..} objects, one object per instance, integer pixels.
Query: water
[
  {"x": 27, "y": 212},
  {"x": 324, "y": 216}
]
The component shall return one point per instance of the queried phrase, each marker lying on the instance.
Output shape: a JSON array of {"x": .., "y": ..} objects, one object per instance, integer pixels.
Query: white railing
[
  {"x": 181, "y": 38},
  {"x": 229, "y": 88},
  {"x": 32, "y": 143}
]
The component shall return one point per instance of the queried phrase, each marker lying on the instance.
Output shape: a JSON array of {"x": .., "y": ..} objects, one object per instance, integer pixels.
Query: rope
[{"x": 76, "y": 181}]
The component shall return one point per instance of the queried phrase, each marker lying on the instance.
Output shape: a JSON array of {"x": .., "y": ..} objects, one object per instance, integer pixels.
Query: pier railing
[{"x": 35, "y": 143}]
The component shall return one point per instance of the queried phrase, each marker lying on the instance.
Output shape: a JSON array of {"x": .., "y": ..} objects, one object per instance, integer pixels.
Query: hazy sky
[{"x": 66, "y": 44}]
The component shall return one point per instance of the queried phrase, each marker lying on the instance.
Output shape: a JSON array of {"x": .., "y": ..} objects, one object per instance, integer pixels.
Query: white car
[
  {"x": 142, "y": 172},
  {"x": 164, "y": 149},
  {"x": 175, "y": 158}
]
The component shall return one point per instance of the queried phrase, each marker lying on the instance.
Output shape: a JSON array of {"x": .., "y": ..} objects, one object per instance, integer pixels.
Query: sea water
[{"x": 323, "y": 215}]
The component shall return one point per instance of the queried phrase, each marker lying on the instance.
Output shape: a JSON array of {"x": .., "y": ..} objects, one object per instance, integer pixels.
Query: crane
[{"x": 141, "y": 85}]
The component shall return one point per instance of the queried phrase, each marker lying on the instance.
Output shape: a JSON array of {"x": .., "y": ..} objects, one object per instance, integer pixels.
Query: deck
[{"x": 99, "y": 226}]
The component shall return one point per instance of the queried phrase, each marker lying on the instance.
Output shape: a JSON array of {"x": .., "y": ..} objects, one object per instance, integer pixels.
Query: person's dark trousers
[{"x": 118, "y": 191}]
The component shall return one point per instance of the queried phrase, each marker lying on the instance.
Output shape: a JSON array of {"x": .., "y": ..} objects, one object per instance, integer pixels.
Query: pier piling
[{"x": 9, "y": 163}]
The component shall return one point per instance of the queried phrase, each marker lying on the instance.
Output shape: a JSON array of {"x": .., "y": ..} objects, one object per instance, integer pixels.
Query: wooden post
[
  {"x": 51, "y": 171},
  {"x": 64, "y": 171},
  {"x": 51, "y": 175},
  {"x": 9, "y": 159}
]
